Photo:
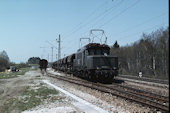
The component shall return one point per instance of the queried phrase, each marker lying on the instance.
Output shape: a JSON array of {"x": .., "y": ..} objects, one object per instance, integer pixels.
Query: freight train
[{"x": 92, "y": 62}]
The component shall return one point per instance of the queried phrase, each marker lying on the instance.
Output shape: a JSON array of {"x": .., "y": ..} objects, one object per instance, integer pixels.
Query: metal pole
[
  {"x": 52, "y": 54},
  {"x": 48, "y": 57},
  {"x": 59, "y": 49}
]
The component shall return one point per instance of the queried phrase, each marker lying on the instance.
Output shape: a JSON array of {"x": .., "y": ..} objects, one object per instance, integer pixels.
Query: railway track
[
  {"x": 160, "y": 98},
  {"x": 152, "y": 100},
  {"x": 166, "y": 82}
]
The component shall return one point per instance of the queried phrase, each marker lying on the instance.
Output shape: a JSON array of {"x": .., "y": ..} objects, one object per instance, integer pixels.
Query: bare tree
[{"x": 150, "y": 54}]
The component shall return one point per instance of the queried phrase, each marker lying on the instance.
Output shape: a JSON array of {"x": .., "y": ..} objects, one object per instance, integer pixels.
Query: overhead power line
[
  {"x": 117, "y": 15},
  {"x": 123, "y": 11},
  {"x": 94, "y": 18},
  {"x": 127, "y": 36},
  {"x": 86, "y": 19},
  {"x": 142, "y": 23}
]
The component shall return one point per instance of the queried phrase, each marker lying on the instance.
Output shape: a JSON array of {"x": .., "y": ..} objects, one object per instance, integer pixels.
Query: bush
[
  {"x": 22, "y": 65},
  {"x": 3, "y": 64}
]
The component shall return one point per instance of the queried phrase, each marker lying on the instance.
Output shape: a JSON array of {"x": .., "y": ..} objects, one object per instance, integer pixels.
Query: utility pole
[
  {"x": 52, "y": 47},
  {"x": 48, "y": 57},
  {"x": 52, "y": 54},
  {"x": 42, "y": 56},
  {"x": 56, "y": 56},
  {"x": 59, "y": 48}
]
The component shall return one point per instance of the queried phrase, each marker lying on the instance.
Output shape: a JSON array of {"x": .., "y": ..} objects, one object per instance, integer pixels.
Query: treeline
[
  {"x": 150, "y": 55},
  {"x": 33, "y": 60},
  {"x": 5, "y": 62}
]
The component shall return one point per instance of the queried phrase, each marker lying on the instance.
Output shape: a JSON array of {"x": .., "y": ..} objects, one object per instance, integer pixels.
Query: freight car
[
  {"x": 43, "y": 65},
  {"x": 92, "y": 62}
]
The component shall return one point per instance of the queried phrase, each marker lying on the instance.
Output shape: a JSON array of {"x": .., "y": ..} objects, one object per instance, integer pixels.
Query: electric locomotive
[{"x": 94, "y": 62}]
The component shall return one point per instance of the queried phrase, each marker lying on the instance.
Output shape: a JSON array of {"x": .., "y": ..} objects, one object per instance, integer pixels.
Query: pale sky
[{"x": 28, "y": 25}]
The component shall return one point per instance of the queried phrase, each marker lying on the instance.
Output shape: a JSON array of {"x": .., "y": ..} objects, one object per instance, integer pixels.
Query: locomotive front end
[
  {"x": 105, "y": 67},
  {"x": 99, "y": 61}
]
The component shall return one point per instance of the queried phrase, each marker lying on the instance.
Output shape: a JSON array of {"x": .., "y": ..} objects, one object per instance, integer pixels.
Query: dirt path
[
  {"x": 11, "y": 96},
  {"x": 10, "y": 88}
]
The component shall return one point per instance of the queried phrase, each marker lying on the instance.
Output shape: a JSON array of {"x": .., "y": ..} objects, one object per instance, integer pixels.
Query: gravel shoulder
[
  {"x": 156, "y": 88},
  {"x": 103, "y": 100},
  {"x": 61, "y": 103}
]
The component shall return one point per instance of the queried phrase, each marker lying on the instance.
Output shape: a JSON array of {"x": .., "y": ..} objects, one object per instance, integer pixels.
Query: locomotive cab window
[
  {"x": 105, "y": 52},
  {"x": 86, "y": 52},
  {"x": 98, "y": 52},
  {"x": 91, "y": 52}
]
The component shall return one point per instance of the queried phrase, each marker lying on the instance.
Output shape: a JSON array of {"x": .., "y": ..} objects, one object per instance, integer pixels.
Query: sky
[{"x": 30, "y": 28}]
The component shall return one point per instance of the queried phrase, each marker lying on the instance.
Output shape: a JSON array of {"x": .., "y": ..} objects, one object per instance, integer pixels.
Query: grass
[
  {"x": 34, "y": 66},
  {"x": 29, "y": 99},
  {"x": 22, "y": 71},
  {"x": 6, "y": 75}
]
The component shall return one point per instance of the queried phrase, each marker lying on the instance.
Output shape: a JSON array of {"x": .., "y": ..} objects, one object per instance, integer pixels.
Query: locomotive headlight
[
  {"x": 114, "y": 68},
  {"x": 98, "y": 68}
]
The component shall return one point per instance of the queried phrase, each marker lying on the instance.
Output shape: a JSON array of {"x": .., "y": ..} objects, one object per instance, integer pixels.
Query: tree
[
  {"x": 33, "y": 60},
  {"x": 4, "y": 60},
  {"x": 116, "y": 45},
  {"x": 4, "y": 55},
  {"x": 3, "y": 64},
  {"x": 150, "y": 55}
]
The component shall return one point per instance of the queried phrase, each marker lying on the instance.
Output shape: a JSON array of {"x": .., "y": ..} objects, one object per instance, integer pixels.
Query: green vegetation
[
  {"x": 30, "y": 98},
  {"x": 6, "y": 75},
  {"x": 22, "y": 71},
  {"x": 34, "y": 97},
  {"x": 33, "y": 60},
  {"x": 5, "y": 62},
  {"x": 34, "y": 66}
]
